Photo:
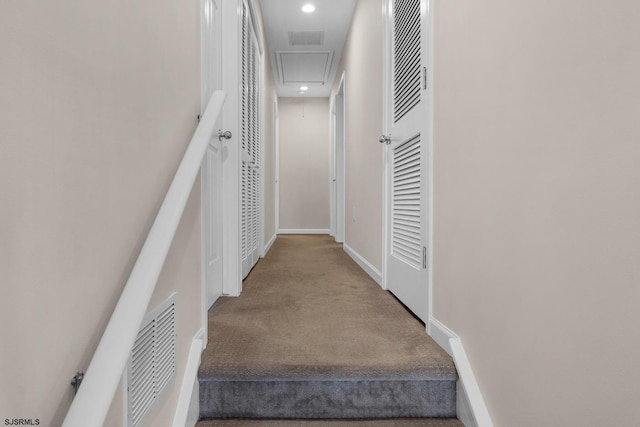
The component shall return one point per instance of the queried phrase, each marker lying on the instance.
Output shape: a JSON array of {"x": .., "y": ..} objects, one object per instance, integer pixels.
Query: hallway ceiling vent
[
  {"x": 306, "y": 38},
  {"x": 310, "y": 68}
]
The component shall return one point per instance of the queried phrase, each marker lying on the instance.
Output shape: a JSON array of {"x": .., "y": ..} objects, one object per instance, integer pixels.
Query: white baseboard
[
  {"x": 471, "y": 408},
  {"x": 268, "y": 245},
  {"x": 364, "y": 264},
  {"x": 303, "y": 231},
  {"x": 188, "y": 409}
]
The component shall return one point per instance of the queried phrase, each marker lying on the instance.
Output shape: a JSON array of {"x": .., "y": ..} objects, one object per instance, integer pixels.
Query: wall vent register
[{"x": 152, "y": 364}]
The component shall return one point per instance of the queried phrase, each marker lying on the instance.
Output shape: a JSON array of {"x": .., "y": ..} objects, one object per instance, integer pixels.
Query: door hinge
[
  {"x": 424, "y": 257},
  {"x": 424, "y": 78}
]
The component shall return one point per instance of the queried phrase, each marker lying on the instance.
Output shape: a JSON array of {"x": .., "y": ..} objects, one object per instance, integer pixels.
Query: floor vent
[{"x": 152, "y": 364}]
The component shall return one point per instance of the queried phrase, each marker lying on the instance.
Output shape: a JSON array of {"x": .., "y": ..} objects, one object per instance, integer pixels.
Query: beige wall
[
  {"x": 99, "y": 100},
  {"x": 304, "y": 163},
  {"x": 362, "y": 63},
  {"x": 537, "y": 205},
  {"x": 269, "y": 97}
]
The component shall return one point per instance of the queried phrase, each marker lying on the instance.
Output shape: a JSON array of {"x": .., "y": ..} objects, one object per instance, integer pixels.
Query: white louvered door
[
  {"x": 406, "y": 159},
  {"x": 251, "y": 147}
]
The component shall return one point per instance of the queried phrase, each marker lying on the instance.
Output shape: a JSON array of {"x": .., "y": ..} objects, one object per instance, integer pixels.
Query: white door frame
[
  {"x": 430, "y": 142},
  {"x": 338, "y": 162},
  {"x": 205, "y": 51},
  {"x": 332, "y": 172},
  {"x": 261, "y": 115},
  {"x": 232, "y": 265},
  {"x": 427, "y": 137},
  {"x": 276, "y": 124},
  {"x": 253, "y": 254}
]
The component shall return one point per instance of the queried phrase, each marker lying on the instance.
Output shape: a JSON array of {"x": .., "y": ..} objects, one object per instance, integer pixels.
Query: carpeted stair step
[
  {"x": 393, "y": 422},
  {"x": 313, "y": 337},
  {"x": 320, "y": 397}
]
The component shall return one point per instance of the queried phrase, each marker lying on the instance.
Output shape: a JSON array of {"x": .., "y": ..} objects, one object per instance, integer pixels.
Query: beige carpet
[
  {"x": 308, "y": 310},
  {"x": 313, "y": 336}
]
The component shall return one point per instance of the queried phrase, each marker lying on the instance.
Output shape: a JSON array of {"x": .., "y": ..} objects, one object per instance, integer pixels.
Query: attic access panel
[{"x": 310, "y": 68}]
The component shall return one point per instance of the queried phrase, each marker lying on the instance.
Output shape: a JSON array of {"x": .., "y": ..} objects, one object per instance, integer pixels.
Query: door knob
[
  {"x": 224, "y": 134},
  {"x": 385, "y": 139}
]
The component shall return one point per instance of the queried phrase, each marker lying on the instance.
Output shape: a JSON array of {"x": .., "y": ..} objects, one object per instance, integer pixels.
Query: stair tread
[{"x": 391, "y": 422}]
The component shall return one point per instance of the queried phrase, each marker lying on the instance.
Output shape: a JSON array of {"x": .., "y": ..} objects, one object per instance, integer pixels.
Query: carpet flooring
[
  {"x": 391, "y": 422},
  {"x": 313, "y": 336}
]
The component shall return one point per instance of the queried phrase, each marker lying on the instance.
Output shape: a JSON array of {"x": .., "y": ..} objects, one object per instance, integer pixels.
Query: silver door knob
[
  {"x": 225, "y": 134},
  {"x": 385, "y": 139}
]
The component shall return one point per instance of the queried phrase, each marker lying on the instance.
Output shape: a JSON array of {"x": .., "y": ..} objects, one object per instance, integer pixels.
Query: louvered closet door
[
  {"x": 251, "y": 155},
  {"x": 406, "y": 156}
]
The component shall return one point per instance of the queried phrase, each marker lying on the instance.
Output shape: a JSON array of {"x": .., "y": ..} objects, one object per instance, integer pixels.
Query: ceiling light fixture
[
  {"x": 301, "y": 92},
  {"x": 308, "y": 8},
  {"x": 304, "y": 88}
]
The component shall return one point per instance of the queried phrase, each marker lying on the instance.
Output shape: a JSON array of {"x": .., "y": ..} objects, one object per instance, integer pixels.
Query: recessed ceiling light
[
  {"x": 308, "y": 8},
  {"x": 304, "y": 88},
  {"x": 301, "y": 92}
]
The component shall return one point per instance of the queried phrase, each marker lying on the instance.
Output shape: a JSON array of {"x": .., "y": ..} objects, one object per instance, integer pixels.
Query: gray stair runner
[{"x": 391, "y": 422}]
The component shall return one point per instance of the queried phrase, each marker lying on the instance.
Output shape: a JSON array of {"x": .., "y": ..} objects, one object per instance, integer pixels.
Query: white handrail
[{"x": 91, "y": 404}]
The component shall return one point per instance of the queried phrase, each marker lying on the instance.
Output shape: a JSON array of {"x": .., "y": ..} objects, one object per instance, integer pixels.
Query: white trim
[
  {"x": 471, "y": 407},
  {"x": 203, "y": 255},
  {"x": 187, "y": 410},
  {"x": 303, "y": 231},
  {"x": 204, "y": 292},
  {"x": 201, "y": 335},
  {"x": 332, "y": 172},
  {"x": 364, "y": 264},
  {"x": 256, "y": 25},
  {"x": 276, "y": 124},
  {"x": 386, "y": 104},
  {"x": 268, "y": 245},
  {"x": 430, "y": 144},
  {"x": 206, "y": 50},
  {"x": 341, "y": 173},
  {"x": 231, "y": 166},
  {"x": 262, "y": 115},
  {"x": 441, "y": 334}
]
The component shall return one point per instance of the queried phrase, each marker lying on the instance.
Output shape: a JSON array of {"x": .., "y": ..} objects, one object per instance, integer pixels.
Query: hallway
[
  {"x": 152, "y": 153},
  {"x": 308, "y": 313}
]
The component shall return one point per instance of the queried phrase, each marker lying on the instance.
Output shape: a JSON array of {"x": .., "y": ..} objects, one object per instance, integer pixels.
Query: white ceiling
[{"x": 312, "y": 60}]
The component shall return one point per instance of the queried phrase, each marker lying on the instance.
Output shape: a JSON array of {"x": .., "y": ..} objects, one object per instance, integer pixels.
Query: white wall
[
  {"x": 362, "y": 63},
  {"x": 99, "y": 100},
  {"x": 304, "y": 163},
  {"x": 537, "y": 205},
  {"x": 537, "y": 201}
]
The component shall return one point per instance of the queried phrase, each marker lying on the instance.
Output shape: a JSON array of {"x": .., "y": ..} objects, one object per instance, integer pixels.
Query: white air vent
[
  {"x": 306, "y": 38},
  {"x": 310, "y": 68},
  {"x": 153, "y": 361}
]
